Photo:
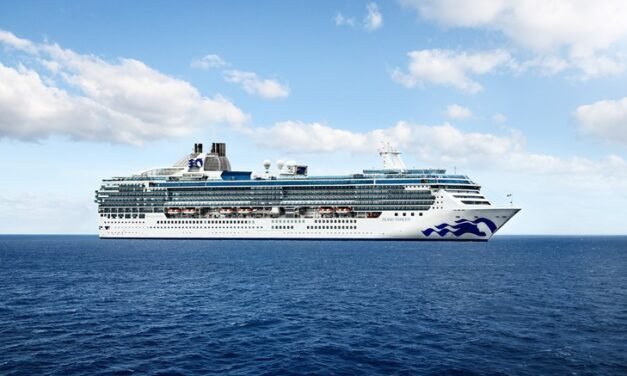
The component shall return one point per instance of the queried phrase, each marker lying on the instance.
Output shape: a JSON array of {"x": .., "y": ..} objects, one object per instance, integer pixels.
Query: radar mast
[{"x": 391, "y": 157}]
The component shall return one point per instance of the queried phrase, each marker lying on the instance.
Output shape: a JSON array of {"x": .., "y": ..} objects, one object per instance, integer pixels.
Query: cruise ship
[{"x": 201, "y": 197}]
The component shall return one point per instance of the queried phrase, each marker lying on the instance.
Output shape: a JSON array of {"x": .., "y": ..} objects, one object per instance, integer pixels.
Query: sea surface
[{"x": 77, "y": 305}]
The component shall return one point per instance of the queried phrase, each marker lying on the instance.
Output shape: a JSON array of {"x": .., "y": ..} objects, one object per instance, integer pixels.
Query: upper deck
[
  {"x": 205, "y": 170},
  {"x": 227, "y": 180}
]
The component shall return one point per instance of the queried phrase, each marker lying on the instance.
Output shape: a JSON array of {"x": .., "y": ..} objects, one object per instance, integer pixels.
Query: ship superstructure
[{"x": 201, "y": 197}]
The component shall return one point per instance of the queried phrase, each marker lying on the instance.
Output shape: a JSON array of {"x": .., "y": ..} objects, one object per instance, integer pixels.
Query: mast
[{"x": 391, "y": 157}]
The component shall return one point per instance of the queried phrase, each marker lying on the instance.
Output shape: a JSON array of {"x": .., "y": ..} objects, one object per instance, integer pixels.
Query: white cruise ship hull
[{"x": 458, "y": 224}]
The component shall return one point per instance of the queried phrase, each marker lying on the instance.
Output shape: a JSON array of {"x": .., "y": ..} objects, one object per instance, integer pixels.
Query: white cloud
[
  {"x": 594, "y": 66},
  {"x": 458, "y": 12},
  {"x": 340, "y": 20},
  {"x": 434, "y": 143},
  {"x": 586, "y": 30},
  {"x": 450, "y": 68},
  {"x": 455, "y": 111},
  {"x": 373, "y": 19},
  {"x": 583, "y": 26},
  {"x": 87, "y": 98},
  {"x": 8, "y": 39},
  {"x": 606, "y": 119},
  {"x": 252, "y": 84},
  {"x": 208, "y": 61},
  {"x": 545, "y": 65},
  {"x": 309, "y": 137},
  {"x": 438, "y": 145},
  {"x": 249, "y": 81},
  {"x": 499, "y": 118}
]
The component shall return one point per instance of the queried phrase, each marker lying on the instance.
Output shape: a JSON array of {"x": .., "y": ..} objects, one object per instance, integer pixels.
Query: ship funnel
[
  {"x": 197, "y": 148},
  {"x": 218, "y": 148}
]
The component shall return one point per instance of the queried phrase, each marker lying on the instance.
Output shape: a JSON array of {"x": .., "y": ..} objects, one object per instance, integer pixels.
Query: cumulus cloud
[
  {"x": 373, "y": 19},
  {"x": 249, "y": 81},
  {"x": 208, "y": 61},
  {"x": 309, "y": 137},
  {"x": 440, "y": 142},
  {"x": 254, "y": 85},
  {"x": 585, "y": 29},
  {"x": 606, "y": 119},
  {"x": 87, "y": 98},
  {"x": 598, "y": 66},
  {"x": 449, "y": 68},
  {"x": 10, "y": 40},
  {"x": 580, "y": 25},
  {"x": 455, "y": 111},
  {"x": 436, "y": 144},
  {"x": 545, "y": 65}
]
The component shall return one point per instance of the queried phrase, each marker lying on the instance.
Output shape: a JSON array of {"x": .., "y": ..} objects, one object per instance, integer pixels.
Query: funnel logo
[{"x": 195, "y": 163}]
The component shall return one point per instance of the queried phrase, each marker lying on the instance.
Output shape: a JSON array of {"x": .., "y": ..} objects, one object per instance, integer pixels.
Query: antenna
[
  {"x": 511, "y": 200},
  {"x": 391, "y": 157}
]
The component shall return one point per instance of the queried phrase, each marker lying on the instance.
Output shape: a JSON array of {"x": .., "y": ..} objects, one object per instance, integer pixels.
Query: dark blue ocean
[{"x": 77, "y": 305}]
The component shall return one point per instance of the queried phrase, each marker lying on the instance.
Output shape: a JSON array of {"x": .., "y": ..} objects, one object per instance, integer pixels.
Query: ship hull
[{"x": 431, "y": 225}]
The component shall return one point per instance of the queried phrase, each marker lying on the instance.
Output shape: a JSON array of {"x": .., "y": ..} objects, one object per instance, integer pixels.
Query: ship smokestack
[
  {"x": 199, "y": 148},
  {"x": 218, "y": 148}
]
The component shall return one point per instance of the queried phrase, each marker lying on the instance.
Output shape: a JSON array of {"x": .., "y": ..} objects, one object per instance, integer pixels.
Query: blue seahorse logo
[{"x": 461, "y": 227}]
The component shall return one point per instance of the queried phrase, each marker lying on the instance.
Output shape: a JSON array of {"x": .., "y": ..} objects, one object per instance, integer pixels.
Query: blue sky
[{"x": 526, "y": 97}]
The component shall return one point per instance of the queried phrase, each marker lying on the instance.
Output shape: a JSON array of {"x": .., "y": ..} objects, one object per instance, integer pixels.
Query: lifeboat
[
  {"x": 343, "y": 210},
  {"x": 226, "y": 211},
  {"x": 326, "y": 210},
  {"x": 173, "y": 211},
  {"x": 245, "y": 210},
  {"x": 189, "y": 211}
]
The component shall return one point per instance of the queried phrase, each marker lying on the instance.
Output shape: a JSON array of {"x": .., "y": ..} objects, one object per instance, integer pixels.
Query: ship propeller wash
[{"x": 201, "y": 197}]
